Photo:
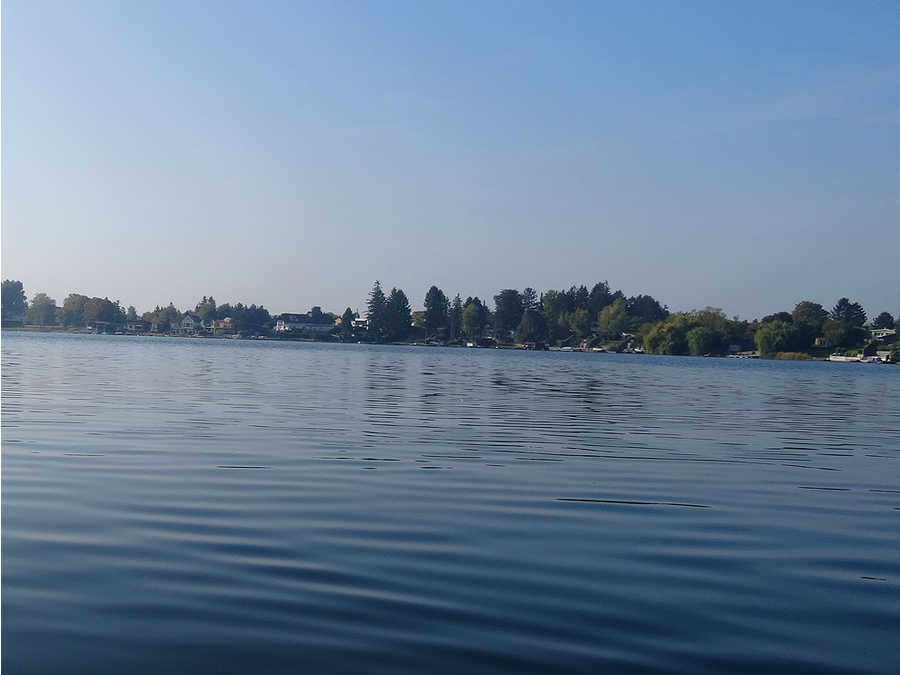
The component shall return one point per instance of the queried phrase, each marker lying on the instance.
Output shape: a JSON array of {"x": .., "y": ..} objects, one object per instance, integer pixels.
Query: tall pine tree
[
  {"x": 399, "y": 315},
  {"x": 454, "y": 317},
  {"x": 376, "y": 312},
  {"x": 435, "y": 310}
]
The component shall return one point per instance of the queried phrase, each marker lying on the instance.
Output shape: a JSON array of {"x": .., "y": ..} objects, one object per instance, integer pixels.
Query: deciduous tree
[
  {"x": 474, "y": 318},
  {"x": 702, "y": 340},
  {"x": 41, "y": 311},
  {"x": 532, "y": 327},
  {"x": 773, "y": 337},
  {"x": 12, "y": 303},
  {"x": 612, "y": 319}
]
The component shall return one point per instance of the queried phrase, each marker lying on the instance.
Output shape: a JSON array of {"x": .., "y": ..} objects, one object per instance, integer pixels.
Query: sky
[{"x": 737, "y": 155}]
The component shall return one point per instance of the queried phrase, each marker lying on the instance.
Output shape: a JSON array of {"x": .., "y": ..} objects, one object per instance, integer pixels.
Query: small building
[
  {"x": 223, "y": 325},
  {"x": 883, "y": 334},
  {"x": 137, "y": 326},
  {"x": 101, "y": 326}
]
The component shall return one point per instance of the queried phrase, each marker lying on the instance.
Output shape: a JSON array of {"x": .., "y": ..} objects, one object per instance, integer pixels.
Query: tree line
[
  {"x": 80, "y": 311},
  {"x": 577, "y": 316}
]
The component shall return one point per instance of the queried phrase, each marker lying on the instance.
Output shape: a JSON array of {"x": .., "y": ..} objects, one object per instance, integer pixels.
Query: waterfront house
[
  {"x": 223, "y": 325},
  {"x": 309, "y": 322},
  {"x": 190, "y": 323},
  {"x": 137, "y": 326},
  {"x": 883, "y": 334},
  {"x": 101, "y": 326}
]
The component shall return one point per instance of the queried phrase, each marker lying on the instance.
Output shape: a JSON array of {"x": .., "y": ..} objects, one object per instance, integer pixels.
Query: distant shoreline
[{"x": 506, "y": 347}]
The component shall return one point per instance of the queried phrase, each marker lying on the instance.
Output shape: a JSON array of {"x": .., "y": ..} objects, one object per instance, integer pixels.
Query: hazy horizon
[{"x": 738, "y": 156}]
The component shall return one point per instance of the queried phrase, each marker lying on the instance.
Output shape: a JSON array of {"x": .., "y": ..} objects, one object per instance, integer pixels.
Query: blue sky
[{"x": 740, "y": 155}]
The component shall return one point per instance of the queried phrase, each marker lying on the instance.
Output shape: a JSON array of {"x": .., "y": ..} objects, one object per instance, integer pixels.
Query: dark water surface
[{"x": 206, "y": 506}]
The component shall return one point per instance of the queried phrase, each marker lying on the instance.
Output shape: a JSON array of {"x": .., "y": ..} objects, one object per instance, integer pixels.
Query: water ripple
[{"x": 192, "y": 505}]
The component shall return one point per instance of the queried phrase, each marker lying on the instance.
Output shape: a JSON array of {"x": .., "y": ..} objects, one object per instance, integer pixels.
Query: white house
[
  {"x": 190, "y": 323},
  {"x": 882, "y": 333}
]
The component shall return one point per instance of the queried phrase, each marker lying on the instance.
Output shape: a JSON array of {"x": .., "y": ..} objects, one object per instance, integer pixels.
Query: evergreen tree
[
  {"x": 599, "y": 297},
  {"x": 435, "y": 311},
  {"x": 642, "y": 309},
  {"x": 206, "y": 308},
  {"x": 454, "y": 317},
  {"x": 883, "y": 320},
  {"x": 508, "y": 312},
  {"x": 530, "y": 299},
  {"x": 582, "y": 297},
  {"x": 399, "y": 315},
  {"x": 347, "y": 323},
  {"x": 376, "y": 313},
  {"x": 848, "y": 312}
]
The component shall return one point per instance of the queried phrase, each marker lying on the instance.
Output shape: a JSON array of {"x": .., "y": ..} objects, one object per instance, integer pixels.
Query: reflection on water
[{"x": 207, "y": 506}]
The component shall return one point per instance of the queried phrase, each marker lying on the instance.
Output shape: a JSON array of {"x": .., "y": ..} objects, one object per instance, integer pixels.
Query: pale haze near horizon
[{"x": 735, "y": 155}]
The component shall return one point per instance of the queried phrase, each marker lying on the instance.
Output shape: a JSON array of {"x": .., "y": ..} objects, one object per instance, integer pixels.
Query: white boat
[{"x": 840, "y": 358}]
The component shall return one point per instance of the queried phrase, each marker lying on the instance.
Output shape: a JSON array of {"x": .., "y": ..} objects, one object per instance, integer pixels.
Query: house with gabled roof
[{"x": 190, "y": 323}]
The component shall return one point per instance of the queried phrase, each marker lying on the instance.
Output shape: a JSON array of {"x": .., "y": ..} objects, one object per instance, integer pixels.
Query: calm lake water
[{"x": 174, "y": 505}]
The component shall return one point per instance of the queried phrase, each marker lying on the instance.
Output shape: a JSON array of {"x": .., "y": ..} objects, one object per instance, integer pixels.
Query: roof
[{"x": 289, "y": 317}]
